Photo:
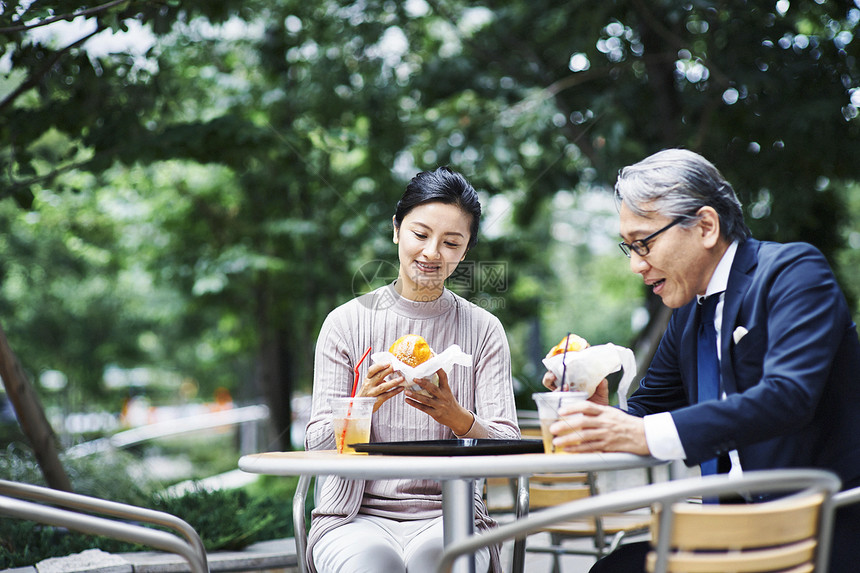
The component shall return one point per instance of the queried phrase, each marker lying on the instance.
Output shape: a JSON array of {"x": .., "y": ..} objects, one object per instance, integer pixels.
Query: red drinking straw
[
  {"x": 355, "y": 384},
  {"x": 354, "y": 388}
]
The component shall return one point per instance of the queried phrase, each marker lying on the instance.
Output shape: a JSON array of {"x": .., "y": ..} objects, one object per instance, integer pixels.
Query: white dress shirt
[{"x": 660, "y": 431}]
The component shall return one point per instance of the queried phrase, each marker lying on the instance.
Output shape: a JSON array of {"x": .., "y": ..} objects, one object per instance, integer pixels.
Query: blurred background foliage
[{"x": 190, "y": 187}]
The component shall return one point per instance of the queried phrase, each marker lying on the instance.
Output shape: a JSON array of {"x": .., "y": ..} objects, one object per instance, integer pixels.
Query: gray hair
[{"x": 677, "y": 183}]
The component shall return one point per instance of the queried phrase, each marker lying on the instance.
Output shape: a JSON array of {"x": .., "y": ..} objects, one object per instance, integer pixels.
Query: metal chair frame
[
  {"x": 17, "y": 500},
  {"x": 847, "y": 497},
  {"x": 664, "y": 495},
  {"x": 602, "y": 542},
  {"x": 300, "y": 530}
]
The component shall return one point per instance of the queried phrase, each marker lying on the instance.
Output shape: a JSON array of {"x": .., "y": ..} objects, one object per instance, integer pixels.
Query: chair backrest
[
  {"x": 775, "y": 536},
  {"x": 808, "y": 485},
  {"x": 548, "y": 490}
]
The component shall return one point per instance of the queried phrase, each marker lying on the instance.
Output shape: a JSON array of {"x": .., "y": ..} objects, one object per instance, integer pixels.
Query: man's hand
[
  {"x": 550, "y": 381},
  {"x": 590, "y": 427}
]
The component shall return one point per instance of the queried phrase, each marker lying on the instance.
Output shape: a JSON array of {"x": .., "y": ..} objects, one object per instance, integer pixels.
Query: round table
[{"x": 456, "y": 473}]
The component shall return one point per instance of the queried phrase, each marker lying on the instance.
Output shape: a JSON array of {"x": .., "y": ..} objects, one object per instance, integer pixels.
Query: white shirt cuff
[{"x": 662, "y": 437}]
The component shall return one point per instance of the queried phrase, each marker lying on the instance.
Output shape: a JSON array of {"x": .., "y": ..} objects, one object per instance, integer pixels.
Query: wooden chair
[
  {"x": 710, "y": 538},
  {"x": 548, "y": 490},
  {"x": 605, "y": 531},
  {"x": 773, "y": 533}
]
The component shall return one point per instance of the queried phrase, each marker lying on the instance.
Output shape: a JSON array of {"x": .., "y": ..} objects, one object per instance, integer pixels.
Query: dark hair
[
  {"x": 677, "y": 183},
  {"x": 443, "y": 186}
]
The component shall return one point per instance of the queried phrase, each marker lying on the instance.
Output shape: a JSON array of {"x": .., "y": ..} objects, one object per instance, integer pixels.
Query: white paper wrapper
[
  {"x": 443, "y": 361},
  {"x": 586, "y": 368}
]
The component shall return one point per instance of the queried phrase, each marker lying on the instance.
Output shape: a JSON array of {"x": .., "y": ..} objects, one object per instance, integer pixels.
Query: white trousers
[{"x": 371, "y": 544}]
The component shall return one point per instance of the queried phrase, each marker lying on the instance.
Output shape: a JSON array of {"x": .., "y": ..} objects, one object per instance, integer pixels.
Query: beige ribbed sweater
[{"x": 376, "y": 320}]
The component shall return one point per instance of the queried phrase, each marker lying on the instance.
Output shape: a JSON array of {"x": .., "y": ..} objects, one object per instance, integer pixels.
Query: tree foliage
[{"x": 261, "y": 146}]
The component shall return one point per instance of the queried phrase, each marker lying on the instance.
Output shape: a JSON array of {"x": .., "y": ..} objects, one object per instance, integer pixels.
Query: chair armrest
[
  {"x": 95, "y": 525},
  {"x": 105, "y": 507}
]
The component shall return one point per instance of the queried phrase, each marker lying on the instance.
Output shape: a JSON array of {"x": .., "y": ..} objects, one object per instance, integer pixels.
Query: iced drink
[
  {"x": 350, "y": 421},
  {"x": 350, "y": 430},
  {"x": 549, "y": 404}
]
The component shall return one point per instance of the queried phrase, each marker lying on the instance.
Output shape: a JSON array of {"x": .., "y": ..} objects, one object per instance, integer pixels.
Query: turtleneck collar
[{"x": 419, "y": 309}]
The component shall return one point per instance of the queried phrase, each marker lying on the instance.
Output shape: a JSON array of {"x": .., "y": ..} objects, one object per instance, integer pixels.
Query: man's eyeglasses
[{"x": 640, "y": 246}]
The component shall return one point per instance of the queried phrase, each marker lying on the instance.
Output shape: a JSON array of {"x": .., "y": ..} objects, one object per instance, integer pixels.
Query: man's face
[{"x": 679, "y": 262}]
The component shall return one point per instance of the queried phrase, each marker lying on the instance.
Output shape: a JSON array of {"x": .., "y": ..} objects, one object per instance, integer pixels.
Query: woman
[{"x": 395, "y": 525}]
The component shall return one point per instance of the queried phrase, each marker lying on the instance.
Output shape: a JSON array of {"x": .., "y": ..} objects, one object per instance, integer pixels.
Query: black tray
[{"x": 464, "y": 447}]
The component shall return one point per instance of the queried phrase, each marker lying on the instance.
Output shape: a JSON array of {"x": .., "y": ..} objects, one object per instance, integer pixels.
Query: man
[{"x": 785, "y": 385}]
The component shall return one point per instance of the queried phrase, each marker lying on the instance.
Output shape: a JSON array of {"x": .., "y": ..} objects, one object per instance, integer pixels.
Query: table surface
[{"x": 329, "y": 462}]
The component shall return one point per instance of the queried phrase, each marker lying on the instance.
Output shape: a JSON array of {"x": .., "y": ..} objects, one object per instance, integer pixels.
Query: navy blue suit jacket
[{"x": 792, "y": 377}]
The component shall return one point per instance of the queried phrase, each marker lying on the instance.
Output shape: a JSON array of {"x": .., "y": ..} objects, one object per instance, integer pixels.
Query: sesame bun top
[{"x": 411, "y": 349}]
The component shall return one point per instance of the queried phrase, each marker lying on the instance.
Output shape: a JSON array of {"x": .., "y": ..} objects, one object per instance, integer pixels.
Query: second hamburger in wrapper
[{"x": 585, "y": 366}]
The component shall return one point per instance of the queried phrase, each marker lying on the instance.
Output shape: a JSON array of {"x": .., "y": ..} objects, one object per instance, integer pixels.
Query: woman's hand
[
  {"x": 441, "y": 404},
  {"x": 376, "y": 386}
]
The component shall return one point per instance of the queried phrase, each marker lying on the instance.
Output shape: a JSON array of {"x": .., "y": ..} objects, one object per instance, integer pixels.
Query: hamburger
[
  {"x": 411, "y": 350},
  {"x": 574, "y": 343}
]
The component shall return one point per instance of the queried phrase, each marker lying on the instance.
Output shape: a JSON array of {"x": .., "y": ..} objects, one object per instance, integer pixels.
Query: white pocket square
[{"x": 739, "y": 333}]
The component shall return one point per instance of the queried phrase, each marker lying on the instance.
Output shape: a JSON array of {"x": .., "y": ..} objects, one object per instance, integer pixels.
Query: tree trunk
[
  {"x": 31, "y": 417},
  {"x": 273, "y": 372},
  {"x": 274, "y": 378}
]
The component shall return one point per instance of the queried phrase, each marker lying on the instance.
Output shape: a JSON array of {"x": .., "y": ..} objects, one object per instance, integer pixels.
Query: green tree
[{"x": 308, "y": 119}]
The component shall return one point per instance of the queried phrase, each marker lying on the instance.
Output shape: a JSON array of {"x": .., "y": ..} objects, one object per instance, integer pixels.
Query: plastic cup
[
  {"x": 549, "y": 404},
  {"x": 350, "y": 418}
]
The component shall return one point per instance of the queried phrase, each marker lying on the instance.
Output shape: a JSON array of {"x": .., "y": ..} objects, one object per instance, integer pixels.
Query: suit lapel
[{"x": 740, "y": 276}]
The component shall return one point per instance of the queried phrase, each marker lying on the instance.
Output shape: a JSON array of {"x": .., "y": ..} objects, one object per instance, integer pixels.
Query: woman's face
[{"x": 431, "y": 241}]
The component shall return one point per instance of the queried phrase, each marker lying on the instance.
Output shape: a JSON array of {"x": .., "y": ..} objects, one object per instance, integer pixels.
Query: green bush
[
  {"x": 24, "y": 543},
  {"x": 229, "y": 519}
]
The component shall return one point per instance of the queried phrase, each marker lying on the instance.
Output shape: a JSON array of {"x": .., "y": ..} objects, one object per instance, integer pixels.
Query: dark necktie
[{"x": 708, "y": 365}]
